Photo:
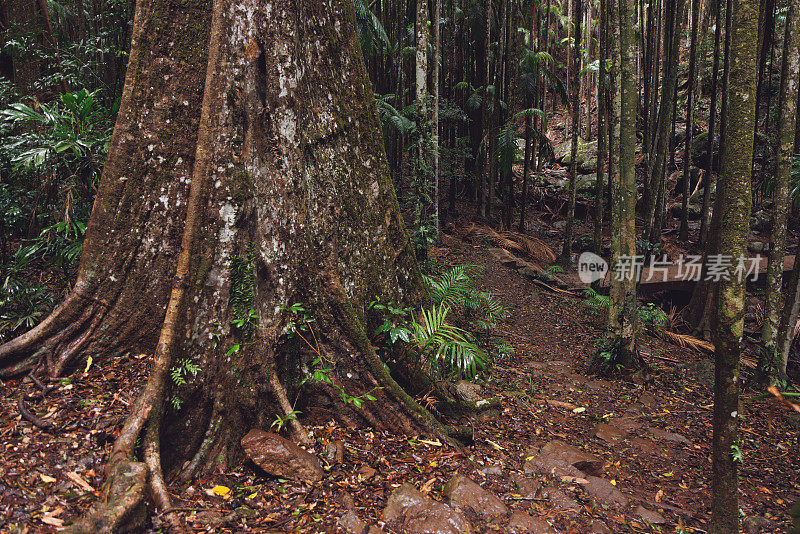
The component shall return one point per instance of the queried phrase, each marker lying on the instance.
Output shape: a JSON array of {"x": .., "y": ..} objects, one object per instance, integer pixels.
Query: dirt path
[{"x": 568, "y": 452}]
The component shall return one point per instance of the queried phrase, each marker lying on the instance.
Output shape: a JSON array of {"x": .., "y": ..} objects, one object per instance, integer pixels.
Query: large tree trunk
[
  {"x": 279, "y": 158},
  {"x": 734, "y": 209}
]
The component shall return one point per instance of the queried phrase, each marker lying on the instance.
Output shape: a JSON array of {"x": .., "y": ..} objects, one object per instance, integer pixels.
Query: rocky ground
[{"x": 567, "y": 452}]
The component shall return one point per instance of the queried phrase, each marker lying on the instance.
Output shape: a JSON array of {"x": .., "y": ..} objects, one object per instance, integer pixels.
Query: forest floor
[{"x": 651, "y": 439}]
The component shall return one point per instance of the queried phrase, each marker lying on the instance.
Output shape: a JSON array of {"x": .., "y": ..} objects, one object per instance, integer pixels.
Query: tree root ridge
[{"x": 123, "y": 508}]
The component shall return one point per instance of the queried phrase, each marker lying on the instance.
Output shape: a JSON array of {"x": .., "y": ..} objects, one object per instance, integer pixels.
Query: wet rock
[
  {"x": 756, "y": 525},
  {"x": 526, "y": 487},
  {"x": 559, "y": 225},
  {"x": 280, "y": 457},
  {"x": 608, "y": 433},
  {"x": 598, "y": 527},
  {"x": 644, "y": 445},
  {"x": 345, "y": 500},
  {"x": 695, "y": 211},
  {"x": 522, "y": 523},
  {"x": 654, "y": 518},
  {"x": 585, "y": 184},
  {"x": 461, "y": 491},
  {"x": 414, "y": 513},
  {"x": 367, "y": 472},
  {"x": 351, "y": 523},
  {"x": 468, "y": 391},
  {"x": 668, "y": 436},
  {"x": 335, "y": 452},
  {"x": 650, "y": 401},
  {"x": 598, "y": 386},
  {"x": 558, "y": 453},
  {"x": 604, "y": 492},
  {"x": 492, "y": 470},
  {"x": 586, "y": 154},
  {"x": 627, "y": 424},
  {"x": 756, "y": 247},
  {"x": 560, "y": 500}
]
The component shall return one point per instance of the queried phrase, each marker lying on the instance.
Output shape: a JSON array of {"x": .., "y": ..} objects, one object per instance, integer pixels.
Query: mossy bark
[
  {"x": 622, "y": 305},
  {"x": 734, "y": 209},
  {"x": 282, "y": 152}
]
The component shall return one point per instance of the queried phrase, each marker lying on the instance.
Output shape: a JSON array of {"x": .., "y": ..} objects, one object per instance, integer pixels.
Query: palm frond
[
  {"x": 447, "y": 344},
  {"x": 530, "y": 246}
]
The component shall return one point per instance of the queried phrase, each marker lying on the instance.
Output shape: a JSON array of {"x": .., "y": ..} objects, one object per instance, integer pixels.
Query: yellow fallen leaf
[
  {"x": 253, "y": 496},
  {"x": 668, "y": 474},
  {"x": 496, "y": 446},
  {"x": 47, "y": 479},
  {"x": 436, "y": 443},
  {"x": 613, "y": 482},
  {"x": 434, "y": 463},
  {"x": 221, "y": 490}
]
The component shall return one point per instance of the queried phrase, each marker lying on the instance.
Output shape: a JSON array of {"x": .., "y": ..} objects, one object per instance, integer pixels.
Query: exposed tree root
[
  {"x": 356, "y": 333},
  {"x": 28, "y": 416},
  {"x": 299, "y": 433},
  {"x": 123, "y": 507},
  {"x": 209, "y": 440}
]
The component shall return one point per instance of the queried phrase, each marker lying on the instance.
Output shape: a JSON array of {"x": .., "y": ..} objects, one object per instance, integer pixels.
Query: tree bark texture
[
  {"x": 734, "y": 205},
  {"x": 280, "y": 160}
]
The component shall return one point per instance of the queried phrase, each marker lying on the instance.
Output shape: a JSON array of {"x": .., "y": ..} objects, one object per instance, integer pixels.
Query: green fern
[
  {"x": 455, "y": 289},
  {"x": 595, "y": 303},
  {"x": 444, "y": 343}
]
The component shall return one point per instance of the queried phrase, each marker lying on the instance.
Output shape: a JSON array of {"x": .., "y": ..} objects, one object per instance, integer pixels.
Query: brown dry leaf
[
  {"x": 53, "y": 521},
  {"x": 428, "y": 486},
  {"x": 560, "y": 404},
  {"x": 77, "y": 479}
]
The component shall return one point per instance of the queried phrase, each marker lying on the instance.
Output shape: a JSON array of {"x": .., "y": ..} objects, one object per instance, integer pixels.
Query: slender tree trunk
[
  {"x": 424, "y": 167},
  {"x": 622, "y": 306},
  {"x": 712, "y": 121},
  {"x": 566, "y": 249},
  {"x": 656, "y": 194},
  {"x": 437, "y": 45},
  {"x": 772, "y": 366},
  {"x": 735, "y": 202},
  {"x": 687, "y": 151},
  {"x": 602, "y": 134}
]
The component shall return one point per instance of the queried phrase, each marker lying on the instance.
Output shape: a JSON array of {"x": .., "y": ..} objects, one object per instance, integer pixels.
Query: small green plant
[
  {"x": 448, "y": 347},
  {"x": 395, "y": 323},
  {"x": 594, "y": 303},
  {"x": 323, "y": 367},
  {"x": 556, "y": 269},
  {"x": 652, "y": 315},
  {"x": 736, "y": 454},
  {"x": 455, "y": 289},
  {"x": 280, "y": 422},
  {"x": 180, "y": 373}
]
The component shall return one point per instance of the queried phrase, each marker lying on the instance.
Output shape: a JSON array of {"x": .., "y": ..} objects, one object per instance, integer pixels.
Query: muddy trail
[{"x": 567, "y": 452}]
